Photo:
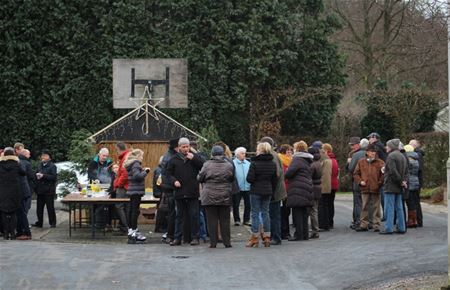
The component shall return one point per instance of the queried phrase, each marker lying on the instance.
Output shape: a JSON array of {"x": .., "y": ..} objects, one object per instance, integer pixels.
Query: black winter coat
[
  {"x": 185, "y": 171},
  {"x": 262, "y": 175},
  {"x": 10, "y": 190},
  {"x": 47, "y": 184},
  {"x": 156, "y": 188},
  {"x": 31, "y": 175},
  {"x": 166, "y": 185},
  {"x": 136, "y": 177},
  {"x": 299, "y": 174}
]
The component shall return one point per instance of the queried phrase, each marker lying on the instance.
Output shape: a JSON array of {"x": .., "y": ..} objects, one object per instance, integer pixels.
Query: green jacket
[{"x": 280, "y": 190}]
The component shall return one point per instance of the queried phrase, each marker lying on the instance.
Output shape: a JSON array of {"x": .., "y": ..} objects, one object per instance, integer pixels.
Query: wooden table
[{"x": 74, "y": 199}]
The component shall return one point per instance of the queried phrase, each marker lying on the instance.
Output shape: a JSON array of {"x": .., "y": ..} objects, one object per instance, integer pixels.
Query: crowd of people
[
  {"x": 198, "y": 194},
  {"x": 18, "y": 181}
]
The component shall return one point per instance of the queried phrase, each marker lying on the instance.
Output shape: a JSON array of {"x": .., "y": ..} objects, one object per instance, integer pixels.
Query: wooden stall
[{"x": 146, "y": 128}]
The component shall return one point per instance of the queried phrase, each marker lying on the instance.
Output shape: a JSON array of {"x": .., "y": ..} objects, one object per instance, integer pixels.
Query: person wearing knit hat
[
  {"x": 181, "y": 172},
  {"x": 216, "y": 177},
  {"x": 317, "y": 144},
  {"x": 217, "y": 151},
  {"x": 395, "y": 182},
  {"x": 393, "y": 144}
]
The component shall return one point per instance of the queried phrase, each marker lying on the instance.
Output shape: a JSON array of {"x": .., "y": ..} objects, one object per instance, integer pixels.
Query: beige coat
[{"x": 326, "y": 167}]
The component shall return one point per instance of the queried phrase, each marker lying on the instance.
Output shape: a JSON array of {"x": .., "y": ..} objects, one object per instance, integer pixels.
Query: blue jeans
[
  {"x": 260, "y": 204},
  {"x": 203, "y": 232},
  {"x": 393, "y": 203},
  {"x": 275, "y": 220}
]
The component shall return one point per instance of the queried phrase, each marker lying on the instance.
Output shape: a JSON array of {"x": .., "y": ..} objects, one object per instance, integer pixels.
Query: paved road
[{"x": 341, "y": 259}]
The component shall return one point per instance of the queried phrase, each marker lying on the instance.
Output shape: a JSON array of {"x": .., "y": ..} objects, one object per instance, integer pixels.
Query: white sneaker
[
  {"x": 130, "y": 232},
  {"x": 139, "y": 236}
]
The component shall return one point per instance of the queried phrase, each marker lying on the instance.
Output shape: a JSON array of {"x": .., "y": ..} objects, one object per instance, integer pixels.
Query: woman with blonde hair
[
  {"x": 136, "y": 189},
  {"x": 262, "y": 176}
]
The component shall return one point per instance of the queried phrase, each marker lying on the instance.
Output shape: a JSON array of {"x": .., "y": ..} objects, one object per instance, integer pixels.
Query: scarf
[{"x": 286, "y": 160}]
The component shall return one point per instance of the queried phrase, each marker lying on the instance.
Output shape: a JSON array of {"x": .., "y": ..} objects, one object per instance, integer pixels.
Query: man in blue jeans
[{"x": 395, "y": 176}]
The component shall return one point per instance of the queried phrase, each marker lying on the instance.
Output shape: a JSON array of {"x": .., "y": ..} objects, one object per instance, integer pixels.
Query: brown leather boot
[
  {"x": 253, "y": 242},
  {"x": 412, "y": 219},
  {"x": 266, "y": 240}
]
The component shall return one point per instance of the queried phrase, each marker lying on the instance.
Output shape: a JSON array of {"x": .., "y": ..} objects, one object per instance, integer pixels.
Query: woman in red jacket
[{"x": 334, "y": 180}]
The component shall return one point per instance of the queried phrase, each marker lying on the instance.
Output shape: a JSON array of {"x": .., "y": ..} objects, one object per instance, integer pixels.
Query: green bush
[
  {"x": 81, "y": 150},
  {"x": 435, "y": 146},
  {"x": 70, "y": 180}
]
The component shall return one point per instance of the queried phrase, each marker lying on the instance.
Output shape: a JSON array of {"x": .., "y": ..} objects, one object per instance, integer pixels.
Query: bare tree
[{"x": 393, "y": 40}]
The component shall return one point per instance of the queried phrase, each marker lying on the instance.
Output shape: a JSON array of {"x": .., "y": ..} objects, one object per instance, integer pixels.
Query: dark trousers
[
  {"x": 357, "y": 204},
  {"x": 171, "y": 217},
  {"x": 324, "y": 211},
  {"x": 331, "y": 208},
  {"x": 300, "y": 217},
  {"x": 49, "y": 201},
  {"x": 9, "y": 223},
  {"x": 218, "y": 214},
  {"x": 161, "y": 219},
  {"x": 191, "y": 208},
  {"x": 236, "y": 203},
  {"x": 23, "y": 227},
  {"x": 101, "y": 216},
  {"x": 285, "y": 213},
  {"x": 122, "y": 209},
  {"x": 419, "y": 210},
  {"x": 413, "y": 203},
  {"x": 135, "y": 203},
  {"x": 275, "y": 220}
]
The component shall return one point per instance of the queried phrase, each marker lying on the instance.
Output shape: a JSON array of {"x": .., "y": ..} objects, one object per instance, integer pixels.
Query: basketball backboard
[{"x": 165, "y": 78}]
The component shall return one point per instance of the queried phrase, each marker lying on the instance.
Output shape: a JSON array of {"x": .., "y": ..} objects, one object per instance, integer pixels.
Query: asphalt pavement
[{"x": 340, "y": 259}]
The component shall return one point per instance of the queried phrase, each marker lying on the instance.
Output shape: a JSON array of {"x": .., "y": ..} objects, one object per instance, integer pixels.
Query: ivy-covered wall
[{"x": 56, "y": 64}]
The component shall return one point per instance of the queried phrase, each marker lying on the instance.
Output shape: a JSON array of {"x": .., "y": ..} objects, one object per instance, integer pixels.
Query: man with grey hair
[
  {"x": 100, "y": 167},
  {"x": 182, "y": 171},
  {"x": 358, "y": 153},
  {"x": 100, "y": 170},
  {"x": 241, "y": 166}
]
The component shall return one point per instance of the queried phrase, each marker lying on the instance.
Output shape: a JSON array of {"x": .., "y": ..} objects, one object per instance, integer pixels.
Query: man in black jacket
[
  {"x": 182, "y": 172},
  {"x": 46, "y": 190},
  {"x": 28, "y": 186},
  {"x": 168, "y": 191}
]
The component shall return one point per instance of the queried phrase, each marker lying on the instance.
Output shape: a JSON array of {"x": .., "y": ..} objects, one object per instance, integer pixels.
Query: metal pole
[{"x": 448, "y": 125}]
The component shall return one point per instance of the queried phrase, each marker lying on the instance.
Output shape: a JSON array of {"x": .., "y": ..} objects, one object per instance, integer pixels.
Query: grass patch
[{"x": 426, "y": 193}]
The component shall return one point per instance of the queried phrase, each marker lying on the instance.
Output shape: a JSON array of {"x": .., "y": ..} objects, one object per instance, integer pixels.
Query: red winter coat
[
  {"x": 121, "y": 180},
  {"x": 334, "y": 172}
]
